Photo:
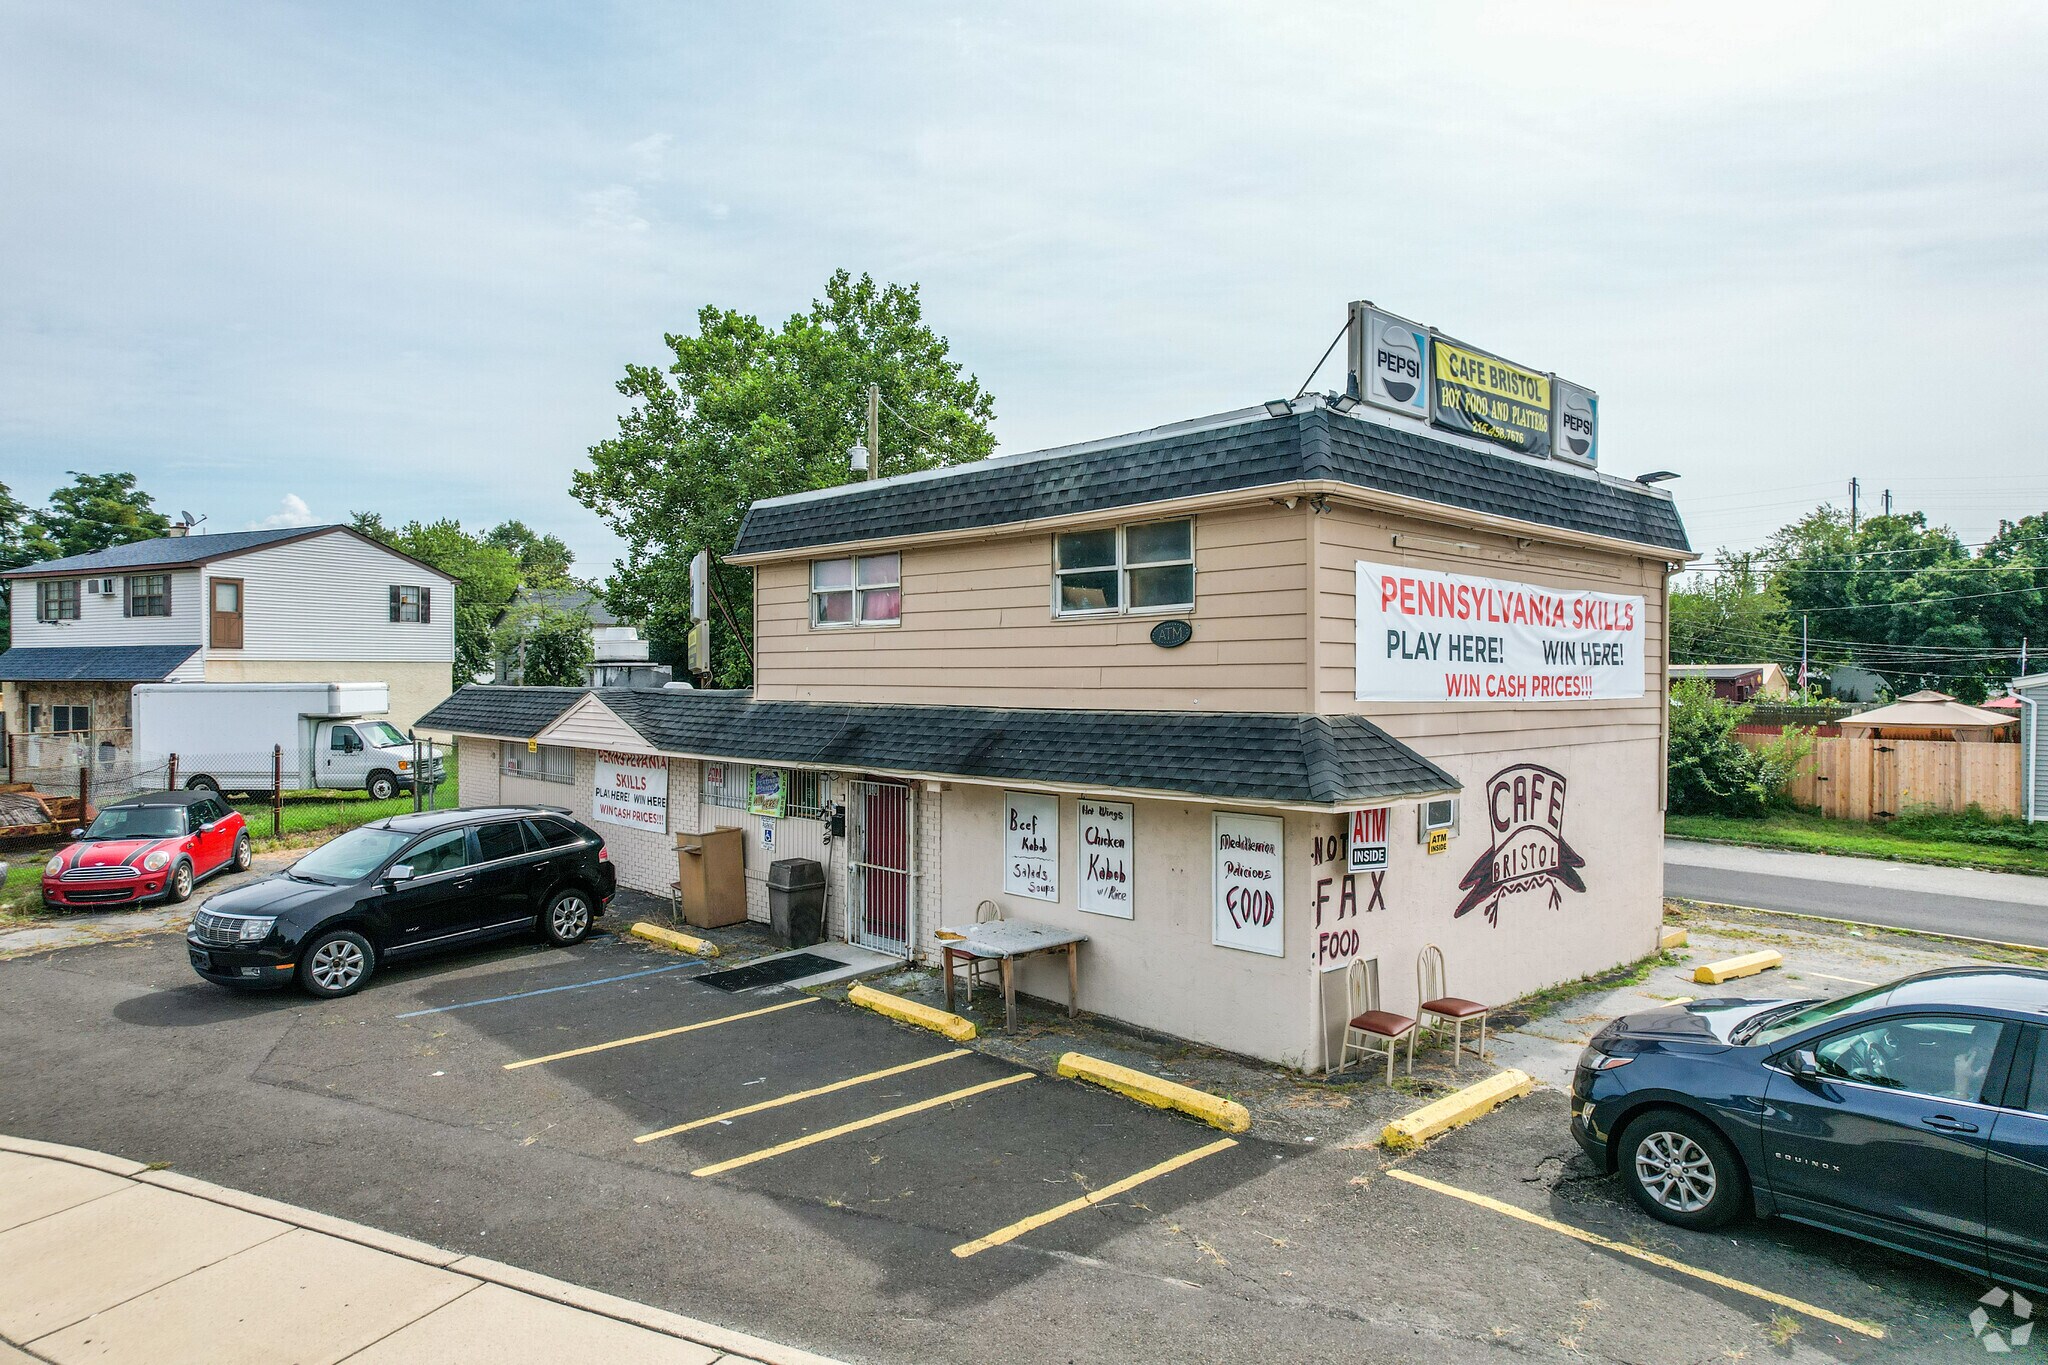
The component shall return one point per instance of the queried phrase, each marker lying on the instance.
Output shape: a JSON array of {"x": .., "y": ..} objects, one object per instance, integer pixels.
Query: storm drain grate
[{"x": 774, "y": 972}]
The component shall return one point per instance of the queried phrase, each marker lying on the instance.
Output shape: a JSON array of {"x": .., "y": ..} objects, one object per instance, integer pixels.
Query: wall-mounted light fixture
[
  {"x": 1279, "y": 407},
  {"x": 1655, "y": 476}
]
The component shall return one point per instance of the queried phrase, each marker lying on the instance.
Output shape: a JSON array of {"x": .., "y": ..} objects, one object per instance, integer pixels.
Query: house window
[
  {"x": 548, "y": 763},
  {"x": 65, "y": 720},
  {"x": 411, "y": 603},
  {"x": 806, "y": 792},
  {"x": 1145, "y": 567},
  {"x": 149, "y": 594},
  {"x": 724, "y": 784},
  {"x": 1440, "y": 814},
  {"x": 57, "y": 599},
  {"x": 865, "y": 590}
]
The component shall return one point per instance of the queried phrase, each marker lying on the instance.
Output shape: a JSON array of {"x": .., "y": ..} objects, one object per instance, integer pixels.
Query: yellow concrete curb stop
[
  {"x": 1213, "y": 1110},
  {"x": 1749, "y": 964},
  {"x": 1671, "y": 938},
  {"x": 911, "y": 1012},
  {"x": 1456, "y": 1109},
  {"x": 669, "y": 938}
]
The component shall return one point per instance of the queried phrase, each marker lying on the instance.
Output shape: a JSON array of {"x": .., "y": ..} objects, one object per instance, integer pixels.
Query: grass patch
[
  {"x": 1940, "y": 838},
  {"x": 323, "y": 812},
  {"x": 21, "y": 894},
  {"x": 1552, "y": 999}
]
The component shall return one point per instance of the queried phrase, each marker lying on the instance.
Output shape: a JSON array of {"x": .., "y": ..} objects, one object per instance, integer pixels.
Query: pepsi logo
[
  {"x": 1576, "y": 421},
  {"x": 1397, "y": 363}
]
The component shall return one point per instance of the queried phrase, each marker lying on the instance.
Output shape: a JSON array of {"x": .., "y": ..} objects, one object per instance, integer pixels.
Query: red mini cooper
[{"x": 155, "y": 846}]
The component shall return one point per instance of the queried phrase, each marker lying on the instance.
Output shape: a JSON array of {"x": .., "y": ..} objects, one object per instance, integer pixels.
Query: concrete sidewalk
[{"x": 103, "y": 1259}]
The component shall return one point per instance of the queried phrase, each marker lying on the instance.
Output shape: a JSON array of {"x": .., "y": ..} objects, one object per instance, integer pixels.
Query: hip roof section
[
  {"x": 1240, "y": 454},
  {"x": 1268, "y": 758},
  {"x": 93, "y": 663}
]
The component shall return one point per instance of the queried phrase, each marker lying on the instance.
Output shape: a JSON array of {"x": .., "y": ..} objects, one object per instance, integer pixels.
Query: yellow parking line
[
  {"x": 664, "y": 1033},
  {"x": 1622, "y": 1248},
  {"x": 905, "y": 1111},
  {"x": 1110, "y": 1191},
  {"x": 777, "y": 1103},
  {"x": 1853, "y": 981}
]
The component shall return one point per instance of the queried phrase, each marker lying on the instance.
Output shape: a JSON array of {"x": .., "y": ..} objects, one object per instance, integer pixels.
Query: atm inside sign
[{"x": 1365, "y": 844}]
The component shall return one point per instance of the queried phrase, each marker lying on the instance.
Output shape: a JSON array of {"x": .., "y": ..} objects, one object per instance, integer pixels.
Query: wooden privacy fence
[{"x": 1855, "y": 777}]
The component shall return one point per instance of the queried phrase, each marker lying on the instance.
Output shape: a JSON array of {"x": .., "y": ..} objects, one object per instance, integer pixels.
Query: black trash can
[{"x": 796, "y": 901}]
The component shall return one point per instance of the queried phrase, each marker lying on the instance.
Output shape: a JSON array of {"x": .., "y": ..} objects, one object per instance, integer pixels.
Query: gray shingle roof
[
  {"x": 1259, "y": 451},
  {"x": 502, "y": 712},
  {"x": 1244, "y": 756},
  {"x": 164, "y": 552},
  {"x": 93, "y": 663}
]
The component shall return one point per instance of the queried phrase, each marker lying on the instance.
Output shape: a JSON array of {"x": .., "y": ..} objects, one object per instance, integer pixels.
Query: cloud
[
  {"x": 648, "y": 156},
  {"x": 291, "y": 512},
  {"x": 615, "y": 208}
]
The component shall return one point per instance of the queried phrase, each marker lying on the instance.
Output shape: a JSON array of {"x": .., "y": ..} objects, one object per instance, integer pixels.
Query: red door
[{"x": 880, "y": 861}]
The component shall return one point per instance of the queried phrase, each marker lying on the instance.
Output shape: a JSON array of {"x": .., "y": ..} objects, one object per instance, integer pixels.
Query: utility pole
[
  {"x": 874, "y": 431},
  {"x": 1855, "y": 487},
  {"x": 1802, "y": 653},
  {"x": 1887, "y": 502}
]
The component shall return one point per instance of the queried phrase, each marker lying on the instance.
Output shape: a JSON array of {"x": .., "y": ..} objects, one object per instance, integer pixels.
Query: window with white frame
[
  {"x": 860, "y": 590},
  {"x": 56, "y": 599},
  {"x": 411, "y": 603},
  {"x": 548, "y": 763},
  {"x": 724, "y": 784},
  {"x": 1439, "y": 814},
  {"x": 149, "y": 594},
  {"x": 1144, "y": 567}
]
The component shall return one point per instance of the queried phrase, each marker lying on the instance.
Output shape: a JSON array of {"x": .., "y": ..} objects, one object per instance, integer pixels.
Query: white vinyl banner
[
  {"x": 1250, "y": 896},
  {"x": 631, "y": 789},
  {"x": 1109, "y": 874},
  {"x": 1031, "y": 845},
  {"x": 1430, "y": 636}
]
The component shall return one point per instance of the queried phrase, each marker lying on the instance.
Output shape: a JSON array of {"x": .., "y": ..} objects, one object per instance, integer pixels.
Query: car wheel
[
  {"x": 337, "y": 964},
  {"x": 1682, "y": 1171},
  {"x": 382, "y": 786},
  {"x": 202, "y": 783},
  {"x": 245, "y": 853},
  {"x": 567, "y": 918},
  {"x": 179, "y": 889}
]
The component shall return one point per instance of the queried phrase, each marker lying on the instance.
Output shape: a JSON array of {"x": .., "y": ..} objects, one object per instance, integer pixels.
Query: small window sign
[
  {"x": 768, "y": 835},
  {"x": 766, "y": 795},
  {"x": 1439, "y": 840}
]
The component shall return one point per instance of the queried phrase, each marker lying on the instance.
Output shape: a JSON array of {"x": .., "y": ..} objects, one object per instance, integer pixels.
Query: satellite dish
[{"x": 189, "y": 518}]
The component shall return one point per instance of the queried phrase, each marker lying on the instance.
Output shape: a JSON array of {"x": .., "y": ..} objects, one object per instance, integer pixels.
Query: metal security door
[{"x": 881, "y": 848}]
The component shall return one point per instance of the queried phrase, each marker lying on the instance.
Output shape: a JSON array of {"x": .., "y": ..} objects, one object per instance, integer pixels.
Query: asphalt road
[
  {"x": 490, "y": 1104},
  {"x": 2003, "y": 907}
]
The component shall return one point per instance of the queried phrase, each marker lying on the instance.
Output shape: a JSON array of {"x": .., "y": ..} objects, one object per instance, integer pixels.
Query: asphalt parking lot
[{"x": 791, "y": 1166}]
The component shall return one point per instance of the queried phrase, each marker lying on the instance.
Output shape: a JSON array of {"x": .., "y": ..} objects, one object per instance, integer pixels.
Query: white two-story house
[{"x": 304, "y": 604}]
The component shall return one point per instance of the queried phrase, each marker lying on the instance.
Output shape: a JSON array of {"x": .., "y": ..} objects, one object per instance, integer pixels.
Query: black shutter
[
  {"x": 426, "y": 605},
  {"x": 167, "y": 593},
  {"x": 394, "y": 603},
  {"x": 127, "y": 597}
]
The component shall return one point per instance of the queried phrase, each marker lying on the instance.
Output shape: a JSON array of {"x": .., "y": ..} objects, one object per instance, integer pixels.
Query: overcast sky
[{"x": 286, "y": 263}]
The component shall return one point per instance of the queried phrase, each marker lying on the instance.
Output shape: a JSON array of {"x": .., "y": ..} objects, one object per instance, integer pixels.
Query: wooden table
[{"x": 1007, "y": 940}]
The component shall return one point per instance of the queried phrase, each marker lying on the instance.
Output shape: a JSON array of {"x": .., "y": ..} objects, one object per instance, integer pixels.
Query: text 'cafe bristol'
[{"x": 1242, "y": 699}]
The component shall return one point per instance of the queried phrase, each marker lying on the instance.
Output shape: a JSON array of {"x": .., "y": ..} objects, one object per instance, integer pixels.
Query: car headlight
[
  {"x": 405, "y": 765},
  {"x": 54, "y": 866},
  {"x": 257, "y": 927},
  {"x": 156, "y": 862}
]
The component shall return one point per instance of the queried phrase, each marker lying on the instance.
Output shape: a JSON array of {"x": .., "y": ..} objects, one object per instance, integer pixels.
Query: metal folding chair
[
  {"x": 1367, "y": 1022},
  {"x": 1439, "y": 1007},
  {"x": 977, "y": 968}
]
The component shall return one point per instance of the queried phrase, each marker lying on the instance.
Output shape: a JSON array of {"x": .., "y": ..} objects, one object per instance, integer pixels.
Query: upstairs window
[
  {"x": 866, "y": 590},
  {"x": 411, "y": 604},
  {"x": 56, "y": 599},
  {"x": 1149, "y": 566},
  {"x": 149, "y": 594}
]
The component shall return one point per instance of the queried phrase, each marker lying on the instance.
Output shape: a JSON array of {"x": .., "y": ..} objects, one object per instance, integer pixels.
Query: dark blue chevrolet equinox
[{"x": 1914, "y": 1115}]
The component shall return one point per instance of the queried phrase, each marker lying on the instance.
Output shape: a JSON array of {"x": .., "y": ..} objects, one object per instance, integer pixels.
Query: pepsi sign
[
  {"x": 1390, "y": 361},
  {"x": 1577, "y": 423}
]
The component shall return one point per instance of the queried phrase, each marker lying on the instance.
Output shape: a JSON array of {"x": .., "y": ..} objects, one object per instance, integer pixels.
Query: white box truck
[{"x": 223, "y": 735}]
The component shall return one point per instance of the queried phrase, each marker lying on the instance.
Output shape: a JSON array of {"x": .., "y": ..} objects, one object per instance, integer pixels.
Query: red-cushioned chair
[
  {"x": 1367, "y": 1022},
  {"x": 1439, "y": 1007}
]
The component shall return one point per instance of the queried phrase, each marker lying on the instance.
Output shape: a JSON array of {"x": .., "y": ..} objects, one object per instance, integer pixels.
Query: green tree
[
  {"x": 486, "y": 577},
  {"x": 1734, "y": 616},
  {"x": 16, "y": 549},
  {"x": 95, "y": 511},
  {"x": 744, "y": 411},
  {"x": 556, "y": 651},
  {"x": 1714, "y": 773},
  {"x": 544, "y": 560}
]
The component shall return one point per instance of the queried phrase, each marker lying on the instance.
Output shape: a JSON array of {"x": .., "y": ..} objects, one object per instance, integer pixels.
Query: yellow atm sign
[{"x": 1496, "y": 400}]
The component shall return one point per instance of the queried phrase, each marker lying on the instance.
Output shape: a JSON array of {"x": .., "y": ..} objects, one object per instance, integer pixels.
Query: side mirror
[
  {"x": 1803, "y": 1064},
  {"x": 208, "y": 827},
  {"x": 399, "y": 872},
  {"x": 78, "y": 834}
]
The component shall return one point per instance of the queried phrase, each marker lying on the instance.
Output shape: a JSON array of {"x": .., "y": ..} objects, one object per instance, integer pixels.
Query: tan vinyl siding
[
  {"x": 978, "y": 629},
  {"x": 1347, "y": 535}
]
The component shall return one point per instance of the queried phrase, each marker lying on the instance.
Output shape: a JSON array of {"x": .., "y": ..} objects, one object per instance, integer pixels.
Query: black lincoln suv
[{"x": 404, "y": 885}]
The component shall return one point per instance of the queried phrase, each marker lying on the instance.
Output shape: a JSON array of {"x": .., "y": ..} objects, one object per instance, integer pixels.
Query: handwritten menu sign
[
  {"x": 1031, "y": 845},
  {"x": 1109, "y": 873},
  {"x": 1250, "y": 896},
  {"x": 631, "y": 789},
  {"x": 767, "y": 795}
]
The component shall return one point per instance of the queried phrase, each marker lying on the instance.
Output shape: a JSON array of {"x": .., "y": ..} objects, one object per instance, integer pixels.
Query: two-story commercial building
[
  {"x": 305, "y": 604},
  {"x": 1245, "y": 699}
]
